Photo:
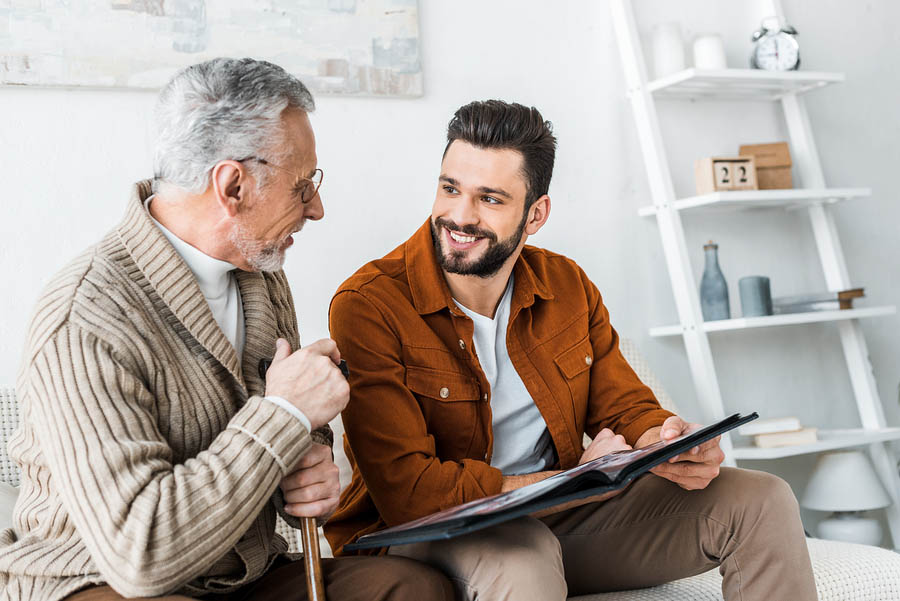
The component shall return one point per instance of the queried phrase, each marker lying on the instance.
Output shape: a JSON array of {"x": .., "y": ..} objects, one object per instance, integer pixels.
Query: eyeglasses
[{"x": 305, "y": 196}]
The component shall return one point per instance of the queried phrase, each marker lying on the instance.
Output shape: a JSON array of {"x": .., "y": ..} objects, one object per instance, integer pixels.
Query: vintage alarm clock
[{"x": 775, "y": 46}]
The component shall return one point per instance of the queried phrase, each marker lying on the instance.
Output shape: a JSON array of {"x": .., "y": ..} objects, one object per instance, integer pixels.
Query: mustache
[{"x": 470, "y": 229}]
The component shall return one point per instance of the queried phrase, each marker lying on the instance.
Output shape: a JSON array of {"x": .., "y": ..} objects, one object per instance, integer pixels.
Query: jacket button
[
  {"x": 588, "y": 360},
  {"x": 462, "y": 344},
  {"x": 445, "y": 392}
]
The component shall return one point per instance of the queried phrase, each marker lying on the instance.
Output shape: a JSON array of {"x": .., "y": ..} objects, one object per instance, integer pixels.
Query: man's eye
[
  {"x": 299, "y": 190},
  {"x": 450, "y": 189},
  {"x": 491, "y": 200}
]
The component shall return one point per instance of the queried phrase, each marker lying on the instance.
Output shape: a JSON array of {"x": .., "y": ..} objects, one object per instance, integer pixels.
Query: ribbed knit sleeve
[{"x": 150, "y": 525}]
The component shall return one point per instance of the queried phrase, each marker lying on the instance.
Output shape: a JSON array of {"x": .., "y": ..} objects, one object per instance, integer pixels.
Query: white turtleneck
[{"x": 220, "y": 289}]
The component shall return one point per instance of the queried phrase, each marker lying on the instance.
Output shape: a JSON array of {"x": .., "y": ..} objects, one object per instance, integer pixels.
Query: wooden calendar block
[{"x": 716, "y": 174}]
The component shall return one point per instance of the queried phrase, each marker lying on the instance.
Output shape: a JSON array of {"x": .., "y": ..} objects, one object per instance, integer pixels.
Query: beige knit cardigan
[{"x": 149, "y": 459}]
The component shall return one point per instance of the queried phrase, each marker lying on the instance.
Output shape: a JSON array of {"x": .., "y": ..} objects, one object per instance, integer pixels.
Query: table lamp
[{"x": 845, "y": 482}]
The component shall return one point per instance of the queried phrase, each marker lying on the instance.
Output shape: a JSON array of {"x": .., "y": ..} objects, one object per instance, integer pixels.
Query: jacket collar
[
  {"x": 429, "y": 288},
  {"x": 176, "y": 284}
]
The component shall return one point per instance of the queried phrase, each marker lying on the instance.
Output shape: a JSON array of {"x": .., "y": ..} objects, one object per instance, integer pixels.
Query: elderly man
[
  {"x": 479, "y": 363},
  {"x": 153, "y": 444}
]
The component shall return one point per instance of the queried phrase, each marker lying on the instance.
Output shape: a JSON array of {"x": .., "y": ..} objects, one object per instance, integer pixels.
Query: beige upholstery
[
  {"x": 9, "y": 421},
  {"x": 843, "y": 572},
  {"x": 642, "y": 369}
]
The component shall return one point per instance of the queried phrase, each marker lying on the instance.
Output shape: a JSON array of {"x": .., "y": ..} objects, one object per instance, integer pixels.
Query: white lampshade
[{"x": 844, "y": 481}]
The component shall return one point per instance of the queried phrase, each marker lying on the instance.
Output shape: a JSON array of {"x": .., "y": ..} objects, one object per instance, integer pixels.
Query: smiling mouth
[{"x": 460, "y": 240}]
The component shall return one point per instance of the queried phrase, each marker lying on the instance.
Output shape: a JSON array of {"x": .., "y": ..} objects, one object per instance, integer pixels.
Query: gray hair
[{"x": 221, "y": 109}]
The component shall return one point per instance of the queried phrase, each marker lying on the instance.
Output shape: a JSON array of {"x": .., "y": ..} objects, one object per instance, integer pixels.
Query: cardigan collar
[{"x": 176, "y": 284}]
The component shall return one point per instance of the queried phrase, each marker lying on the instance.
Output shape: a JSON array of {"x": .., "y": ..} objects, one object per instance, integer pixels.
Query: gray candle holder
[{"x": 756, "y": 296}]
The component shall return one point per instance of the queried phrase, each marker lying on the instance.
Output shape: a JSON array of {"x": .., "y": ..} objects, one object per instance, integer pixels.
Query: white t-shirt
[{"x": 522, "y": 443}]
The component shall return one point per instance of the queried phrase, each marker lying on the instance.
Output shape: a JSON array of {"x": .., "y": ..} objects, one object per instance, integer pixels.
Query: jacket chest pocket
[
  {"x": 575, "y": 366},
  {"x": 449, "y": 402}
]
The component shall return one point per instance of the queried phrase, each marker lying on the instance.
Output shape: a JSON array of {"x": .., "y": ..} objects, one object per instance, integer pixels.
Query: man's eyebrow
[
  {"x": 481, "y": 190},
  {"x": 496, "y": 191}
]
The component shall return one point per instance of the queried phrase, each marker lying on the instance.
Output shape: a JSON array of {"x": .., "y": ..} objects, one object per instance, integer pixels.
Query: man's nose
[
  {"x": 314, "y": 209},
  {"x": 464, "y": 211}
]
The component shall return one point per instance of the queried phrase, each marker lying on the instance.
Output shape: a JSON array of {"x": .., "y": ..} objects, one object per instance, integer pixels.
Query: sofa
[{"x": 843, "y": 571}]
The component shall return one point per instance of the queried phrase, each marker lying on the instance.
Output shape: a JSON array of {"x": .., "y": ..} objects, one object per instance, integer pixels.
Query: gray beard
[{"x": 261, "y": 256}]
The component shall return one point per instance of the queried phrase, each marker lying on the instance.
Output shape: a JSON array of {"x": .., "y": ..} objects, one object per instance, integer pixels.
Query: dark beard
[{"x": 491, "y": 261}]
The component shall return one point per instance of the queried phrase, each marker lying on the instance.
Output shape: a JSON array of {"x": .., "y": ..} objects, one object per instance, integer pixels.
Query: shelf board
[
  {"x": 828, "y": 440},
  {"x": 739, "y": 84},
  {"x": 742, "y": 200},
  {"x": 767, "y": 321}
]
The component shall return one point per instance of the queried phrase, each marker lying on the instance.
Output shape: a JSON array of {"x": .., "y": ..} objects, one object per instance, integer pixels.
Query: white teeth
[{"x": 462, "y": 239}]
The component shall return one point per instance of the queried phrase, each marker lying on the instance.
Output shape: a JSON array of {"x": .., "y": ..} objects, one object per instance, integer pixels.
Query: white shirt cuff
[{"x": 290, "y": 408}]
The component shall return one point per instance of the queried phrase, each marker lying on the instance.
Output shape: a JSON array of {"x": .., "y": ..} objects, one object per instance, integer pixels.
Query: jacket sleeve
[
  {"x": 151, "y": 525},
  {"x": 618, "y": 399},
  {"x": 385, "y": 427}
]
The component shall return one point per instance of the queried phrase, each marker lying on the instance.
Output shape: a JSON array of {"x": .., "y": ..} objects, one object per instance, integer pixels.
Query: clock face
[{"x": 777, "y": 52}]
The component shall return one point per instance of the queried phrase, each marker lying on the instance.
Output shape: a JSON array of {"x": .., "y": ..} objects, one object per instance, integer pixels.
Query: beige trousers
[{"x": 746, "y": 522}]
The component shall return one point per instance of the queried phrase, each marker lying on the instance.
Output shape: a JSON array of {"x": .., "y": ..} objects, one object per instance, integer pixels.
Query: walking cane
[
  {"x": 309, "y": 536},
  {"x": 309, "y": 529}
]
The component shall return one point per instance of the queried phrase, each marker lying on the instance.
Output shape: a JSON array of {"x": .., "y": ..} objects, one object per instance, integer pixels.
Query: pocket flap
[
  {"x": 577, "y": 359},
  {"x": 441, "y": 385}
]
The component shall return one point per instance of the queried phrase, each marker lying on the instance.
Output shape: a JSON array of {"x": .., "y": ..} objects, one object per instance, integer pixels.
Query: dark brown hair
[{"x": 502, "y": 125}]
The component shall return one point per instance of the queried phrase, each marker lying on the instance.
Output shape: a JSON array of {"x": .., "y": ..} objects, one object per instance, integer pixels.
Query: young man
[
  {"x": 154, "y": 449},
  {"x": 478, "y": 365}
]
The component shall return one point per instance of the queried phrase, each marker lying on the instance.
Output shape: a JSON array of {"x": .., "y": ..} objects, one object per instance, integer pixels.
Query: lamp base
[{"x": 851, "y": 527}]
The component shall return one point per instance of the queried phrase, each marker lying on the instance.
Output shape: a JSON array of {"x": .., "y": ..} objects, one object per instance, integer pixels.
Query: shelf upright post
[
  {"x": 837, "y": 277},
  {"x": 687, "y": 299},
  {"x": 853, "y": 341}
]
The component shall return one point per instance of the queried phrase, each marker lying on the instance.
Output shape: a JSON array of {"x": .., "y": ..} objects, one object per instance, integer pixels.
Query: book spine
[{"x": 835, "y": 305}]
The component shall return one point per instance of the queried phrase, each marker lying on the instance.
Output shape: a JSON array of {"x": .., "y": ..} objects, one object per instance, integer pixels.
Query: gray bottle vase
[{"x": 713, "y": 288}]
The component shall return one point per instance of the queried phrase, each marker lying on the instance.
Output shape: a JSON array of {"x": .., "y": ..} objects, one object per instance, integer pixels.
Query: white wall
[{"x": 67, "y": 158}]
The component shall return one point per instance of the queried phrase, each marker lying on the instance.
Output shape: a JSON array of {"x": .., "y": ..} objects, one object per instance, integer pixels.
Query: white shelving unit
[
  {"x": 769, "y": 321},
  {"x": 739, "y": 84},
  {"x": 814, "y": 197},
  {"x": 829, "y": 440},
  {"x": 745, "y": 200}
]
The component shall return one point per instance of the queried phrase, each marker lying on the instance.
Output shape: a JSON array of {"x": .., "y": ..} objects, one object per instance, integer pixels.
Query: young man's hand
[
  {"x": 604, "y": 443},
  {"x": 692, "y": 470},
  {"x": 313, "y": 489}
]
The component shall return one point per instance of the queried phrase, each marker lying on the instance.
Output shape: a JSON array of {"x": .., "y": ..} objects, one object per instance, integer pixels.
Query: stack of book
[
  {"x": 778, "y": 432},
  {"x": 818, "y": 301}
]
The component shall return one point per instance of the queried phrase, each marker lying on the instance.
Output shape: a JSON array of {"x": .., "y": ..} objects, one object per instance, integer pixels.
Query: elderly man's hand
[
  {"x": 312, "y": 489},
  {"x": 694, "y": 469},
  {"x": 309, "y": 379}
]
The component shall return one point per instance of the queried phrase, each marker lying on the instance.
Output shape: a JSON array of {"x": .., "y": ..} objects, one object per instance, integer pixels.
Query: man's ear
[
  {"x": 538, "y": 215},
  {"x": 228, "y": 179}
]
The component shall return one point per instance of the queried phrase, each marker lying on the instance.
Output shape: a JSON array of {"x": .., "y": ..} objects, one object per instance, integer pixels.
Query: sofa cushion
[
  {"x": 8, "y": 496},
  {"x": 843, "y": 572}
]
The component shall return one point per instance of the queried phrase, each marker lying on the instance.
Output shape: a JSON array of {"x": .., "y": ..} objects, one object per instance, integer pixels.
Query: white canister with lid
[{"x": 709, "y": 52}]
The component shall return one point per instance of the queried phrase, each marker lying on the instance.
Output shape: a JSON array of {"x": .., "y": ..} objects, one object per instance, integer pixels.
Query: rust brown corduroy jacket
[{"x": 418, "y": 425}]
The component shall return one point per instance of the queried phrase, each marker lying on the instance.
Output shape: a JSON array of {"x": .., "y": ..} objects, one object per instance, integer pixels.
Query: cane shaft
[{"x": 315, "y": 584}]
